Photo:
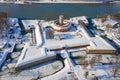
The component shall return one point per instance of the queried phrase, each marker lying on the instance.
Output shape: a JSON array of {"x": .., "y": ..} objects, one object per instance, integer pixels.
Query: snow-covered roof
[
  {"x": 87, "y": 33},
  {"x": 71, "y": 40},
  {"x": 28, "y": 23},
  {"x": 66, "y": 43},
  {"x": 2, "y": 43},
  {"x": 38, "y": 36},
  {"x": 31, "y": 54},
  {"x": 111, "y": 22},
  {"x": 97, "y": 43},
  {"x": 82, "y": 18},
  {"x": 3, "y": 56},
  {"x": 78, "y": 53},
  {"x": 11, "y": 21}
]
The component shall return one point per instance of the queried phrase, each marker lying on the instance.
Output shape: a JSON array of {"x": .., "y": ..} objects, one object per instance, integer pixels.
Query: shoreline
[{"x": 60, "y": 2}]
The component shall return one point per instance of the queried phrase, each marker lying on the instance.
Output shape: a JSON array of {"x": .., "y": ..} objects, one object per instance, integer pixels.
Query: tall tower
[
  {"x": 61, "y": 25},
  {"x": 61, "y": 19}
]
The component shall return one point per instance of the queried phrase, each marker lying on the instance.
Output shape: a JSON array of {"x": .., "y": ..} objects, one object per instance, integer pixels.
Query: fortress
[{"x": 50, "y": 38}]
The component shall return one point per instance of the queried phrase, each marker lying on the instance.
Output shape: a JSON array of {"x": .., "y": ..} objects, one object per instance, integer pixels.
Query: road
[{"x": 74, "y": 68}]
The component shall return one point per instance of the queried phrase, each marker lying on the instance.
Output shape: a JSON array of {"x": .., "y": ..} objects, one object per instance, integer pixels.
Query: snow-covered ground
[
  {"x": 47, "y": 68},
  {"x": 58, "y": 76},
  {"x": 103, "y": 68},
  {"x": 112, "y": 32},
  {"x": 8, "y": 43}
]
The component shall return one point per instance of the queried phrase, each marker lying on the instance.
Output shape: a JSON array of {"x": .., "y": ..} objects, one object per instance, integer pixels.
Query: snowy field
[
  {"x": 38, "y": 71},
  {"x": 104, "y": 67}
]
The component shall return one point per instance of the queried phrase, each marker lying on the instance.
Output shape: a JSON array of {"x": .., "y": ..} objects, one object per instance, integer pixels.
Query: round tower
[
  {"x": 61, "y": 19},
  {"x": 61, "y": 25}
]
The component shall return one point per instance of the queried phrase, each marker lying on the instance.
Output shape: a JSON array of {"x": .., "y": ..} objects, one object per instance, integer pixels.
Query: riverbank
[{"x": 59, "y": 1}]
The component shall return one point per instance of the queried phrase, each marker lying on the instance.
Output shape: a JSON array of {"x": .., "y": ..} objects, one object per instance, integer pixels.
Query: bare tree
[
  {"x": 92, "y": 61},
  {"x": 116, "y": 68},
  {"x": 95, "y": 78},
  {"x": 119, "y": 30},
  {"x": 104, "y": 17},
  {"x": 117, "y": 15},
  {"x": 86, "y": 74},
  {"x": 3, "y": 21},
  {"x": 85, "y": 64},
  {"x": 38, "y": 77},
  {"x": 98, "y": 58},
  {"x": 108, "y": 27},
  {"x": 65, "y": 78},
  {"x": 7, "y": 66}
]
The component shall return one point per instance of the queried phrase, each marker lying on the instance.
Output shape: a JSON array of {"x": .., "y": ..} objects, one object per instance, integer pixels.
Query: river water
[{"x": 52, "y": 11}]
